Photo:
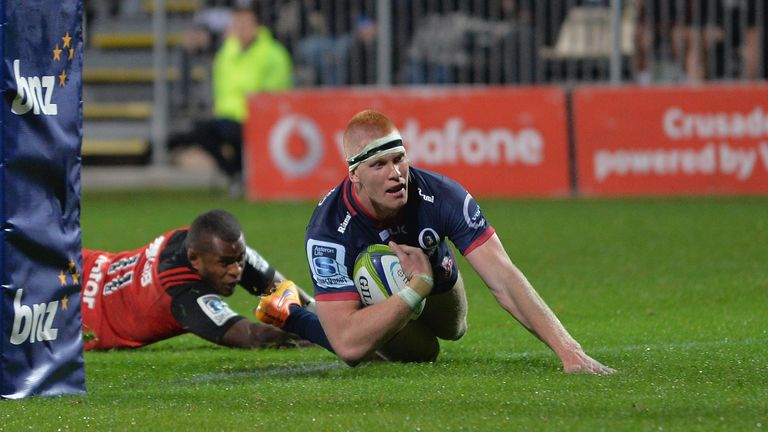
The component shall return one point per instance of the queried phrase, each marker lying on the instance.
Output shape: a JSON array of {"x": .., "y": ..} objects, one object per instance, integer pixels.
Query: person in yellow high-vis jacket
[{"x": 250, "y": 60}]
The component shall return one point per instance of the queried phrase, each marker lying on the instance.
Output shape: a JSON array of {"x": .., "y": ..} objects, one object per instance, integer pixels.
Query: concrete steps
[{"x": 118, "y": 82}]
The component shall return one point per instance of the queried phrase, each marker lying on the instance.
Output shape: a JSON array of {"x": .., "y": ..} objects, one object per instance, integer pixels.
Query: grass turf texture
[{"x": 671, "y": 292}]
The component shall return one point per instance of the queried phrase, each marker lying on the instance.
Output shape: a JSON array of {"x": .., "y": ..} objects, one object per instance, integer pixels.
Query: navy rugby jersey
[{"x": 438, "y": 208}]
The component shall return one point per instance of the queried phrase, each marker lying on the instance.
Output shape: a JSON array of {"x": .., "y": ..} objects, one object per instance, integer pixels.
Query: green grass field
[{"x": 671, "y": 292}]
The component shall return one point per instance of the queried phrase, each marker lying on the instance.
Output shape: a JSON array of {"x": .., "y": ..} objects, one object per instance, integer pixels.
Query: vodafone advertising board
[
  {"x": 497, "y": 142},
  {"x": 672, "y": 141}
]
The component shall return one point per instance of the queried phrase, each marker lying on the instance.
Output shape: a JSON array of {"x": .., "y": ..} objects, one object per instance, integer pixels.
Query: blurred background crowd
[{"x": 297, "y": 44}]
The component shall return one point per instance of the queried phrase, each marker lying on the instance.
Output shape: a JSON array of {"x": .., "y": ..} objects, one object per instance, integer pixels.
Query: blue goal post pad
[{"x": 41, "y": 259}]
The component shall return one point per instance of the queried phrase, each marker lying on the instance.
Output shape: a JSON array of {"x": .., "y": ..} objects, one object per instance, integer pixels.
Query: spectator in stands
[
  {"x": 681, "y": 38},
  {"x": 326, "y": 39},
  {"x": 325, "y": 55},
  {"x": 197, "y": 48},
  {"x": 451, "y": 46},
  {"x": 755, "y": 49},
  {"x": 250, "y": 60}
]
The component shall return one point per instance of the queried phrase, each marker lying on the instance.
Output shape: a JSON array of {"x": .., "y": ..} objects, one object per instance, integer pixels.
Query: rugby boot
[{"x": 274, "y": 308}]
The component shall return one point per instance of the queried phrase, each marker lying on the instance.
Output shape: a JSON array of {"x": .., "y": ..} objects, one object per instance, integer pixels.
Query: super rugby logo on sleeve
[
  {"x": 216, "y": 308},
  {"x": 326, "y": 261}
]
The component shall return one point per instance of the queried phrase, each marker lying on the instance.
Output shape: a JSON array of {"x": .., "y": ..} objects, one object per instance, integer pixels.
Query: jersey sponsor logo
[
  {"x": 33, "y": 93},
  {"x": 33, "y": 323},
  {"x": 327, "y": 264},
  {"x": 151, "y": 253},
  {"x": 118, "y": 283},
  {"x": 343, "y": 227},
  {"x": 384, "y": 235},
  {"x": 429, "y": 240},
  {"x": 122, "y": 264},
  {"x": 398, "y": 230},
  {"x": 427, "y": 198},
  {"x": 472, "y": 214},
  {"x": 154, "y": 248},
  {"x": 95, "y": 276},
  {"x": 215, "y": 308}
]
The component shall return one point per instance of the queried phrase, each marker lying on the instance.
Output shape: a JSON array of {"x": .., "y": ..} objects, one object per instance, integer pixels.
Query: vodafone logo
[
  {"x": 452, "y": 143},
  {"x": 457, "y": 143},
  {"x": 310, "y": 136}
]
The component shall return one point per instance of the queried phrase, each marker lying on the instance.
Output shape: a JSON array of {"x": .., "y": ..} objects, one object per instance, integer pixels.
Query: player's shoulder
[
  {"x": 431, "y": 186},
  {"x": 173, "y": 267},
  {"x": 174, "y": 251},
  {"x": 330, "y": 209}
]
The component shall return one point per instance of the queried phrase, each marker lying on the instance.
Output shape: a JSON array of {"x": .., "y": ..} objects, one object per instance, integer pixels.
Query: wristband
[
  {"x": 422, "y": 285},
  {"x": 428, "y": 280},
  {"x": 410, "y": 297}
]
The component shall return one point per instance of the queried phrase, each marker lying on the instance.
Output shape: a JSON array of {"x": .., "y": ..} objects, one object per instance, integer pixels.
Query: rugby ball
[{"x": 378, "y": 275}]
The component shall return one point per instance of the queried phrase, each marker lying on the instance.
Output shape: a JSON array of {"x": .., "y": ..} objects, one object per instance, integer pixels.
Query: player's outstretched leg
[{"x": 283, "y": 309}]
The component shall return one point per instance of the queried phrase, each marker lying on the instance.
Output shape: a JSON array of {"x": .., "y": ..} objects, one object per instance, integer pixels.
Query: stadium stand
[
  {"x": 586, "y": 37},
  {"x": 118, "y": 80},
  {"x": 504, "y": 42}
]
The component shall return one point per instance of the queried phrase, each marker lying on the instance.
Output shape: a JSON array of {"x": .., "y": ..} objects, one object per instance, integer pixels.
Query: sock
[{"x": 307, "y": 325}]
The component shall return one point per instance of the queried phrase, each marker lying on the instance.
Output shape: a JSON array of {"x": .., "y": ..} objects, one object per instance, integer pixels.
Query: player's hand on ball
[{"x": 415, "y": 264}]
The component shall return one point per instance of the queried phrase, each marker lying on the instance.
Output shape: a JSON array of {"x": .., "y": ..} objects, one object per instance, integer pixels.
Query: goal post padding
[{"x": 41, "y": 260}]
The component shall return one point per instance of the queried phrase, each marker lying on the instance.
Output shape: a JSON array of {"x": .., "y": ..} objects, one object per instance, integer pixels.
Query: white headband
[{"x": 391, "y": 143}]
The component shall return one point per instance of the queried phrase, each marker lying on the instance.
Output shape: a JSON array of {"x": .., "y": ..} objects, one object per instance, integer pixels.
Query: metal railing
[{"x": 512, "y": 42}]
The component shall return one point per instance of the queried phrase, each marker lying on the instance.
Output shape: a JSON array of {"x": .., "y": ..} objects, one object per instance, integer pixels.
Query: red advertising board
[
  {"x": 497, "y": 142},
  {"x": 672, "y": 141}
]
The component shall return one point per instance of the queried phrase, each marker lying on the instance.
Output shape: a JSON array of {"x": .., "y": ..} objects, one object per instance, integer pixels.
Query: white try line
[
  {"x": 270, "y": 372},
  {"x": 670, "y": 346},
  {"x": 325, "y": 367}
]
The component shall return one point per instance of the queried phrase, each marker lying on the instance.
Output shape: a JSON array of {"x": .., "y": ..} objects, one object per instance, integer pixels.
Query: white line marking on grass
[
  {"x": 258, "y": 373},
  {"x": 685, "y": 345},
  {"x": 650, "y": 347},
  {"x": 310, "y": 369}
]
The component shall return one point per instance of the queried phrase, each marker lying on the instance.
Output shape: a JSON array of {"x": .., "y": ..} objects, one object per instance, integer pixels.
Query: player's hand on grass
[
  {"x": 581, "y": 363},
  {"x": 270, "y": 337}
]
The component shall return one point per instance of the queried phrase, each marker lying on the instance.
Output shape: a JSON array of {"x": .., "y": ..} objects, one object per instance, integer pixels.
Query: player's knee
[
  {"x": 460, "y": 330},
  {"x": 454, "y": 332},
  {"x": 352, "y": 357}
]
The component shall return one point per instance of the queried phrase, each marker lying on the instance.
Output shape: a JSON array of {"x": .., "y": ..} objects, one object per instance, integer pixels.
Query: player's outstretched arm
[
  {"x": 516, "y": 295},
  {"x": 248, "y": 334}
]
